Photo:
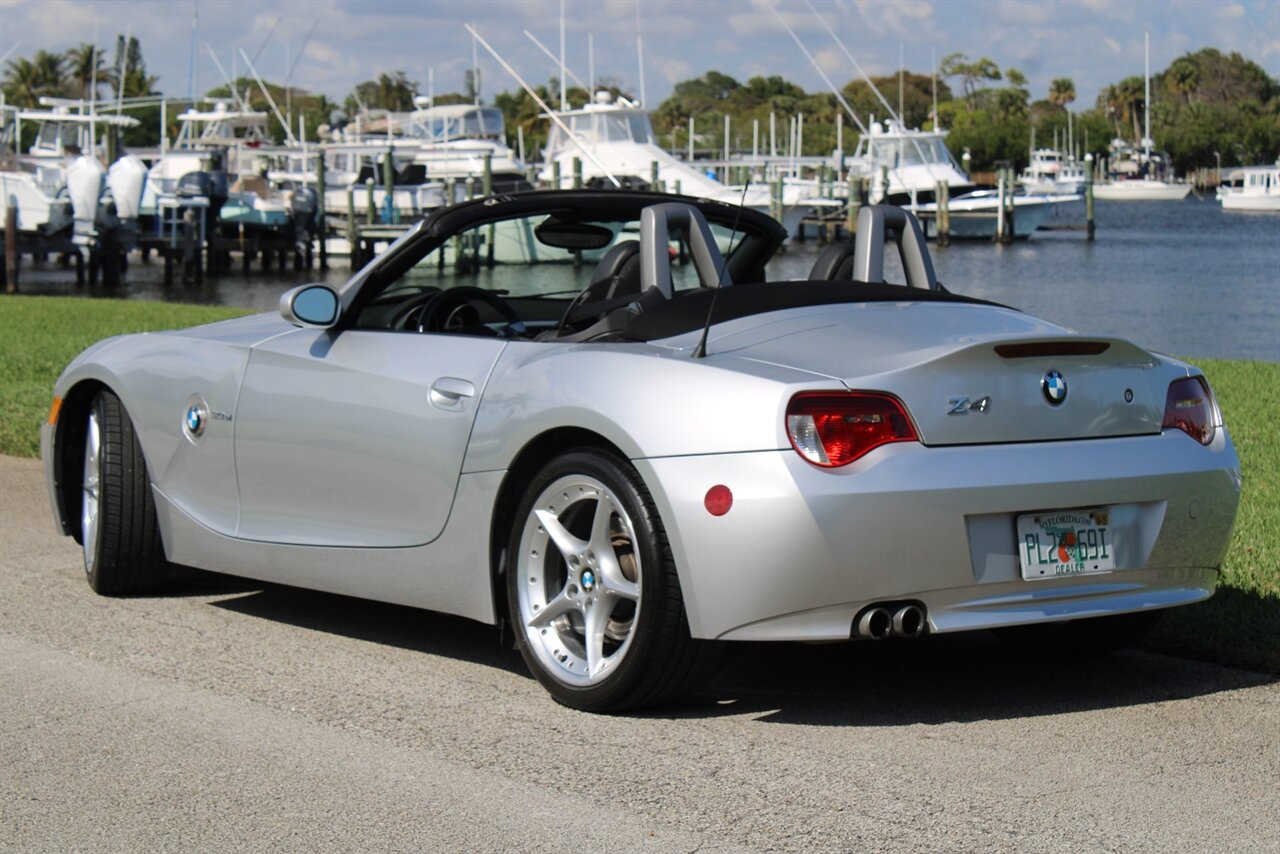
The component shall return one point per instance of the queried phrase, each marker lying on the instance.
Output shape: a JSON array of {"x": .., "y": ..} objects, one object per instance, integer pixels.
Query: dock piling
[
  {"x": 322, "y": 226},
  {"x": 11, "y": 250}
]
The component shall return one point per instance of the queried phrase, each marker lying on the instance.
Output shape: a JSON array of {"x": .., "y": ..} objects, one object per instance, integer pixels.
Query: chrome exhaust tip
[
  {"x": 875, "y": 623},
  {"x": 909, "y": 622}
]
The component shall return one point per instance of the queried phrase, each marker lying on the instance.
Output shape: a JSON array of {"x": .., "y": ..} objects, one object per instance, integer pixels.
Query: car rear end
[{"x": 999, "y": 477}]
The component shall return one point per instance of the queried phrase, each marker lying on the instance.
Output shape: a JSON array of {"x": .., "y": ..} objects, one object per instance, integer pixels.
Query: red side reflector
[
  {"x": 718, "y": 501},
  {"x": 1051, "y": 348}
]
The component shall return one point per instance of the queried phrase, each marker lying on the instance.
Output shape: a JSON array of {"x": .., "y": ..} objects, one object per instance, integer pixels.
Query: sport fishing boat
[
  {"x": 614, "y": 138},
  {"x": 1052, "y": 173},
  {"x": 1251, "y": 188},
  {"x": 905, "y": 167}
]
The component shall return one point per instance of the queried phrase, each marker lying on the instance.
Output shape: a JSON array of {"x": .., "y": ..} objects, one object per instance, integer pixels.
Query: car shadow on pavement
[
  {"x": 378, "y": 622},
  {"x": 939, "y": 679},
  {"x": 944, "y": 679}
]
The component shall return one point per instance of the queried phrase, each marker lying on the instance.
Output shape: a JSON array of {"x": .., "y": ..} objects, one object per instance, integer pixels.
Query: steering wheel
[
  {"x": 439, "y": 308},
  {"x": 402, "y": 319}
]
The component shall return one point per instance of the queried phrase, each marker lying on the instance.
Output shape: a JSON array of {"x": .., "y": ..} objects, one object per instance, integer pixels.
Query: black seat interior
[
  {"x": 617, "y": 273},
  {"x": 835, "y": 263}
]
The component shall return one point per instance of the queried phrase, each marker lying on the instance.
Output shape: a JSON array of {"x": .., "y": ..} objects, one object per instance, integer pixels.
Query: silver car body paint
[{"x": 346, "y": 464}]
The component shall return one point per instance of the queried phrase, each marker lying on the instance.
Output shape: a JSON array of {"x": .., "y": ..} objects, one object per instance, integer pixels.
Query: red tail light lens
[
  {"x": 835, "y": 428},
  {"x": 1190, "y": 408}
]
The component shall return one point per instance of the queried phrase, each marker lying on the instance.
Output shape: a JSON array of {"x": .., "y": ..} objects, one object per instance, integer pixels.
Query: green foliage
[
  {"x": 392, "y": 91},
  {"x": 917, "y": 97},
  {"x": 971, "y": 74}
]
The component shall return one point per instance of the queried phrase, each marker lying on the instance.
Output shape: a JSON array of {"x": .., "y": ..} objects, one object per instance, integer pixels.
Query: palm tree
[
  {"x": 85, "y": 66},
  {"x": 22, "y": 83},
  {"x": 51, "y": 72},
  {"x": 1184, "y": 77},
  {"x": 1062, "y": 91}
]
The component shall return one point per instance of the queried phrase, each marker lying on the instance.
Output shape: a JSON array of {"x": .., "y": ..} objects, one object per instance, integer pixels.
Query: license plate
[{"x": 1063, "y": 543}]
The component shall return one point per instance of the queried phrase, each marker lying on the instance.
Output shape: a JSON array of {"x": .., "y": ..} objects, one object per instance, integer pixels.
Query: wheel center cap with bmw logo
[{"x": 1054, "y": 387}]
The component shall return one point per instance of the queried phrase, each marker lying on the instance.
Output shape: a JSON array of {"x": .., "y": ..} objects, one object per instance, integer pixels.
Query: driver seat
[{"x": 617, "y": 274}]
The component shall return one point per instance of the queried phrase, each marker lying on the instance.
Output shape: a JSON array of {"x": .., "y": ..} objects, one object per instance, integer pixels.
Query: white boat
[
  {"x": 1141, "y": 190},
  {"x": 454, "y": 141},
  {"x": 905, "y": 167},
  {"x": 619, "y": 142},
  {"x": 59, "y": 181},
  {"x": 1051, "y": 173},
  {"x": 1029, "y": 212},
  {"x": 1141, "y": 175},
  {"x": 235, "y": 141},
  {"x": 1251, "y": 188}
]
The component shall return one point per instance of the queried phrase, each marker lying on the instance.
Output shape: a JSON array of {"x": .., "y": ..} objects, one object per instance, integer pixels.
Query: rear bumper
[{"x": 804, "y": 549}]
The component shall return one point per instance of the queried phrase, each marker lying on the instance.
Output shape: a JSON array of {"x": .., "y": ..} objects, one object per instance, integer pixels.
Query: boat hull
[{"x": 1141, "y": 191}]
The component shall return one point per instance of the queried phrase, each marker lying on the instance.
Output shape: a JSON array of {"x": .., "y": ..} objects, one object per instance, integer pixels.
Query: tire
[
  {"x": 590, "y": 558},
  {"x": 123, "y": 553},
  {"x": 1081, "y": 638}
]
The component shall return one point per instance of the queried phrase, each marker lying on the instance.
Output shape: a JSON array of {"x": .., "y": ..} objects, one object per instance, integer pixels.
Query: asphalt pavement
[{"x": 228, "y": 715}]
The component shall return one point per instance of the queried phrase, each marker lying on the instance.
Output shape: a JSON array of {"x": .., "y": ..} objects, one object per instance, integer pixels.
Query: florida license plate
[{"x": 1065, "y": 542}]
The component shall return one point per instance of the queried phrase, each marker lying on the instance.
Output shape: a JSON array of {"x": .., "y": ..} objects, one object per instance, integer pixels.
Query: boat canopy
[
  {"x": 444, "y": 124},
  {"x": 593, "y": 125}
]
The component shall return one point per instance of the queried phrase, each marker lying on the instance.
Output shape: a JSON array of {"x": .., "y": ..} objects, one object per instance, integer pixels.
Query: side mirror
[{"x": 312, "y": 306}]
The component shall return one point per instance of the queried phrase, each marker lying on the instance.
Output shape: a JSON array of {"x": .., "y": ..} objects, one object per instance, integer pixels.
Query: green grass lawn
[
  {"x": 1240, "y": 625},
  {"x": 40, "y": 335}
]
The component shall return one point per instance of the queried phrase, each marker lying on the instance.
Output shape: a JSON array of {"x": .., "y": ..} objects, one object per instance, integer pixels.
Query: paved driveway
[{"x": 229, "y": 715}]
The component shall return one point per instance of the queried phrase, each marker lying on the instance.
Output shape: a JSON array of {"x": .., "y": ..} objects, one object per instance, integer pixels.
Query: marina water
[{"x": 1185, "y": 278}]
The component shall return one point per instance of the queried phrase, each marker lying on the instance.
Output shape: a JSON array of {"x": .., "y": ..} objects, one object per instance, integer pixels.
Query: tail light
[
  {"x": 1190, "y": 408},
  {"x": 835, "y": 428}
]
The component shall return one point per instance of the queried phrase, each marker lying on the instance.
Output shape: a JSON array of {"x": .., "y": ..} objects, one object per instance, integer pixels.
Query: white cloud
[{"x": 1230, "y": 11}]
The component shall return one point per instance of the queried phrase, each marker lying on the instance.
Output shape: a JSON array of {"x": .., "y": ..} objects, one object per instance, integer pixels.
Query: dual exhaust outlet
[{"x": 879, "y": 622}]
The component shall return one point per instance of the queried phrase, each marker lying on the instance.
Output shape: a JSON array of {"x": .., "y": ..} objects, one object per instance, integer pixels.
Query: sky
[{"x": 342, "y": 42}]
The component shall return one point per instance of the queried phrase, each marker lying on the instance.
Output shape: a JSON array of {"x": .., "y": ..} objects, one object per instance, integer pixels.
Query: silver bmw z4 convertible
[{"x": 589, "y": 416}]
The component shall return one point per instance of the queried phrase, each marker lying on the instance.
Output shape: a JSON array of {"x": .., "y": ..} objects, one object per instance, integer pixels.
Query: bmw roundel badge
[
  {"x": 195, "y": 420},
  {"x": 1054, "y": 387}
]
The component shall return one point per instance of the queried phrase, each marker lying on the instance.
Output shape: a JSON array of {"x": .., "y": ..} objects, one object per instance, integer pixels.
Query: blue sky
[{"x": 1094, "y": 42}]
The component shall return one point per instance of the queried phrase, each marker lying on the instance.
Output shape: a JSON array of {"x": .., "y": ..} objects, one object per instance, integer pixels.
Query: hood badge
[
  {"x": 1053, "y": 385},
  {"x": 963, "y": 406}
]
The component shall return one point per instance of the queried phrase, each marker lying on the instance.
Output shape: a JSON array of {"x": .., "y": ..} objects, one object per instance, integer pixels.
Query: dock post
[
  {"x": 1088, "y": 197},
  {"x": 389, "y": 188},
  {"x": 653, "y": 175},
  {"x": 677, "y": 188},
  {"x": 11, "y": 250},
  {"x": 555, "y": 174},
  {"x": 322, "y": 223},
  {"x": 1000, "y": 214},
  {"x": 577, "y": 173},
  {"x": 488, "y": 175},
  {"x": 854, "y": 205},
  {"x": 353, "y": 238},
  {"x": 371, "y": 210},
  {"x": 942, "y": 214},
  {"x": 1011, "y": 230}
]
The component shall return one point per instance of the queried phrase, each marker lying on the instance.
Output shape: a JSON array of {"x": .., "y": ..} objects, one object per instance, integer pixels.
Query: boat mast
[{"x": 1146, "y": 96}]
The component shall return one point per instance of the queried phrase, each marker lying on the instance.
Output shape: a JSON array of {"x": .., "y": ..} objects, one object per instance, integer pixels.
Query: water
[{"x": 1178, "y": 277}]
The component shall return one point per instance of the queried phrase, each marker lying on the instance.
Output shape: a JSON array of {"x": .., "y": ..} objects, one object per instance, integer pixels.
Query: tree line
[{"x": 1207, "y": 106}]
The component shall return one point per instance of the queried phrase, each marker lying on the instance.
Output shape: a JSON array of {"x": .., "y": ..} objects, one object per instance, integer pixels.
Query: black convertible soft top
[{"x": 687, "y": 311}]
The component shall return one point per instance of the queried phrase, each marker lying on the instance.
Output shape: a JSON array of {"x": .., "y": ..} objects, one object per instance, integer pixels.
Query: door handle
[{"x": 451, "y": 393}]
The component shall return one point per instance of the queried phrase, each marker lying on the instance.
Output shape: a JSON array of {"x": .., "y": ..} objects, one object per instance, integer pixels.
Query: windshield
[{"x": 480, "y": 123}]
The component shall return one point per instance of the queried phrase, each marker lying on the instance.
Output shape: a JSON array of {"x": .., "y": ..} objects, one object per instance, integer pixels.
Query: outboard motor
[
  {"x": 302, "y": 213},
  {"x": 85, "y": 180},
  {"x": 127, "y": 179}
]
